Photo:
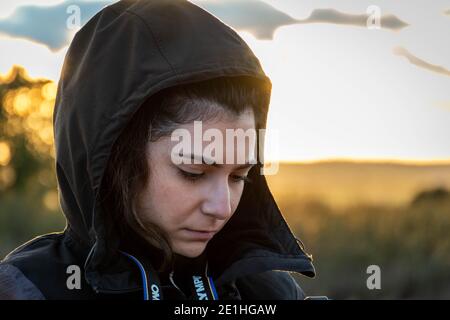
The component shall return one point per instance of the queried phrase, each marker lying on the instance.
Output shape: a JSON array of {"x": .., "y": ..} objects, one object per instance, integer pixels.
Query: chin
[{"x": 190, "y": 250}]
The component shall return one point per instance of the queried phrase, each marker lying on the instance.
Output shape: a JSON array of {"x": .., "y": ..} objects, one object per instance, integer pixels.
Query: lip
[{"x": 199, "y": 234}]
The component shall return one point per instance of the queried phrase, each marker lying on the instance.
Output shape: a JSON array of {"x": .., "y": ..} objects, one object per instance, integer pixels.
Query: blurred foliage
[
  {"x": 28, "y": 191},
  {"x": 410, "y": 243}
]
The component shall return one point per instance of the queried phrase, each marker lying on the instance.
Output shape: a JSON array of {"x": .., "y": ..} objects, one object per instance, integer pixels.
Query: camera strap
[{"x": 201, "y": 287}]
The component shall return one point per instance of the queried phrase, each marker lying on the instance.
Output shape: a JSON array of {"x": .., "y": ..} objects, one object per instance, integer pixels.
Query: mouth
[{"x": 199, "y": 234}]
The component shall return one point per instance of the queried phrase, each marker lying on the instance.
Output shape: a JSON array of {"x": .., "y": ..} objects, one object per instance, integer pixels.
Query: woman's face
[{"x": 187, "y": 200}]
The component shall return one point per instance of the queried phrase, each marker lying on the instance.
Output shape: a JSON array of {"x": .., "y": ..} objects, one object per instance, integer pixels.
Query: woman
[{"x": 139, "y": 223}]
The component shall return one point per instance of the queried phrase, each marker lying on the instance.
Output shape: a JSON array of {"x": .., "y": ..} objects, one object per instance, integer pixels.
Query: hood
[{"x": 127, "y": 52}]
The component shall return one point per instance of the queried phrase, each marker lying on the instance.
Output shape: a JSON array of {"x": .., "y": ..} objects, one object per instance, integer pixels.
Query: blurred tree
[
  {"x": 437, "y": 194},
  {"x": 28, "y": 189}
]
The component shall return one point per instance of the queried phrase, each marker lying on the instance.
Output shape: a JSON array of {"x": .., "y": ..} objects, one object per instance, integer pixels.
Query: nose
[{"x": 217, "y": 201}]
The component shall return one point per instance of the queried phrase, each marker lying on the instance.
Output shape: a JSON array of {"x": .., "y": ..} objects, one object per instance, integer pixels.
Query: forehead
[
  {"x": 227, "y": 120},
  {"x": 224, "y": 141}
]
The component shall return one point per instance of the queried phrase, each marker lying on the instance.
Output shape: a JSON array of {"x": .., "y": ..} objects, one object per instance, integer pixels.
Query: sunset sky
[{"x": 340, "y": 89}]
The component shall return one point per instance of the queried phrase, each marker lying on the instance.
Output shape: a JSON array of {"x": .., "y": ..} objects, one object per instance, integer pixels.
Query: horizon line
[{"x": 418, "y": 162}]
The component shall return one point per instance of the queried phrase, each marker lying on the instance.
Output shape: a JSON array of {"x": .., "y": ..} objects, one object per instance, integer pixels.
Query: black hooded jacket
[{"x": 123, "y": 55}]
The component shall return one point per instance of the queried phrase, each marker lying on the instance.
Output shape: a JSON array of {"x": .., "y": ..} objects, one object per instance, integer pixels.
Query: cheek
[
  {"x": 235, "y": 197},
  {"x": 168, "y": 202}
]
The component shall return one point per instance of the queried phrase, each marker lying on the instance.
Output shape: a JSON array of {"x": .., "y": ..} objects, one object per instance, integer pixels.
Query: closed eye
[
  {"x": 242, "y": 178},
  {"x": 191, "y": 176}
]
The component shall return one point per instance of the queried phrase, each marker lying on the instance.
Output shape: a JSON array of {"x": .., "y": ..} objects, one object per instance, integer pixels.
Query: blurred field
[
  {"x": 349, "y": 215},
  {"x": 341, "y": 184},
  {"x": 352, "y": 215}
]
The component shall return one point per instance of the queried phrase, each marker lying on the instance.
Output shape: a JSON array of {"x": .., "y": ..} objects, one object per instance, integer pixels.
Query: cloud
[
  {"x": 47, "y": 24},
  {"x": 254, "y": 16},
  {"x": 7, "y": 7},
  {"x": 261, "y": 19},
  {"x": 329, "y": 15},
  {"x": 420, "y": 63}
]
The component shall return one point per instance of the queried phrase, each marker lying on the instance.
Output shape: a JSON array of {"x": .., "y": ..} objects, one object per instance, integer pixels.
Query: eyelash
[{"x": 192, "y": 177}]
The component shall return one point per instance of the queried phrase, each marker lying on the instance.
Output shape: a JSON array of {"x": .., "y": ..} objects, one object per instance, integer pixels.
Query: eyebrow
[{"x": 204, "y": 160}]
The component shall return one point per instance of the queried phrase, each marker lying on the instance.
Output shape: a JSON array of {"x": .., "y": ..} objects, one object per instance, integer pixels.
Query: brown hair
[{"x": 127, "y": 170}]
